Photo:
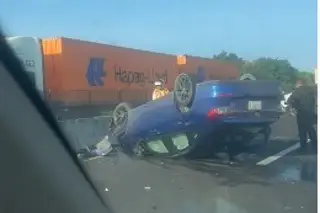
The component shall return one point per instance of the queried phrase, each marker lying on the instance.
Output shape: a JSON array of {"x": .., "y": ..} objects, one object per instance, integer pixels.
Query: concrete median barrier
[{"x": 85, "y": 132}]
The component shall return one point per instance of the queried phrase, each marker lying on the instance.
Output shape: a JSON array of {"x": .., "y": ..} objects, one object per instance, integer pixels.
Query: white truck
[{"x": 29, "y": 51}]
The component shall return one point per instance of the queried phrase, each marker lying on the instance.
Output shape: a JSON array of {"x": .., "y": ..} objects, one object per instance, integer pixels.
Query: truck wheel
[
  {"x": 184, "y": 92},
  {"x": 120, "y": 118}
]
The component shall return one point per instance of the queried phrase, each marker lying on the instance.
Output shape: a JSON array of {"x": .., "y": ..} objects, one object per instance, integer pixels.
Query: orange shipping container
[{"x": 81, "y": 72}]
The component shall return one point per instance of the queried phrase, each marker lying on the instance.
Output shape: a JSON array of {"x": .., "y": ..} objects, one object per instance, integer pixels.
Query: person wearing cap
[{"x": 159, "y": 90}]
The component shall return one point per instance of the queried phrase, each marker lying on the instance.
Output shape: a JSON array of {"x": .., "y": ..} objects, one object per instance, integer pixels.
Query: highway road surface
[{"x": 279, "y": 179}]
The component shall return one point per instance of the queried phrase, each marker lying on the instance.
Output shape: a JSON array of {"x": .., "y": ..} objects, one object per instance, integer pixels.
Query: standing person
[
  {"x": 159, "y": 90},
  {"x": 303, "y": 100}
]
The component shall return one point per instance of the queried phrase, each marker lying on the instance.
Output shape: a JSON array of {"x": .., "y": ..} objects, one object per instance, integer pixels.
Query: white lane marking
[
  {"x": 275, "y": 157},
  {"x": 283, "y": 138}
]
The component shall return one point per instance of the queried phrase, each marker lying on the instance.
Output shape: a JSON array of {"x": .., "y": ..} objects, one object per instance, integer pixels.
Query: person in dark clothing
[{"x": 303, "y": 100}]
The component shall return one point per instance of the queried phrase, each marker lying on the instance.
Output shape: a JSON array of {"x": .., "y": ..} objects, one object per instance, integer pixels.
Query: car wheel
[
  {"x": 120, "y": 118},
  {"x": 184, "y": 92}
]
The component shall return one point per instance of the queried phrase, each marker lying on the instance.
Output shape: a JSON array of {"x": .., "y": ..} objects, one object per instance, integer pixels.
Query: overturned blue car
[{"x": 196, "y": 115}]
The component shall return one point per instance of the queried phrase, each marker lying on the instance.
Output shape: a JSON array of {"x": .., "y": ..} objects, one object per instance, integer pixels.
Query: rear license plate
[{"x": 254, "y": 105}]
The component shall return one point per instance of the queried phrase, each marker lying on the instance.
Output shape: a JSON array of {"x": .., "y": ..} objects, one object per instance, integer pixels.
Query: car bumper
[{"x": 257, "y": 117}]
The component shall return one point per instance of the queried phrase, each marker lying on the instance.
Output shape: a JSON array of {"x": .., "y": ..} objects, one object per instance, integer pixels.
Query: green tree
[
  {"x": 274, "y": 69},
  {"x": 230, "y": 58},
  {"x": 264, "y": 68},
  {"x": 307, "y": 76}
]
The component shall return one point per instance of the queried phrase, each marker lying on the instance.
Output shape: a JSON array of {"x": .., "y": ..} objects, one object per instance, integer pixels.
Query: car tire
[
  {"x": 120, "y": 118},
  {"x": 185, "y": 85}
]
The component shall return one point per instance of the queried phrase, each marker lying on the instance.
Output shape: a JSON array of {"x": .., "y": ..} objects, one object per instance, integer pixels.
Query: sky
[{"x": 250, "y": 28}]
